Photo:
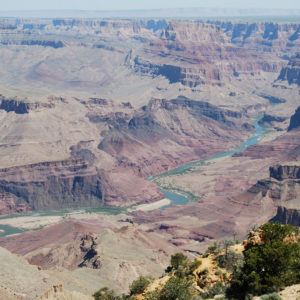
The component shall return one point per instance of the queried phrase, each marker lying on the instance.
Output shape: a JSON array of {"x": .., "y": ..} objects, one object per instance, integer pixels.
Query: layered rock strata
[
  {"x": 286, "y": 215},
  {"x": 291, "y": 73},
  {"x": 295, "y": 120}
]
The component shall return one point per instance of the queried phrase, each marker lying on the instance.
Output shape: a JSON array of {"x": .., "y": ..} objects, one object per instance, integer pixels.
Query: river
[
  {"x": 175, "y": 198},
  {"x": 178, "y": 199}
]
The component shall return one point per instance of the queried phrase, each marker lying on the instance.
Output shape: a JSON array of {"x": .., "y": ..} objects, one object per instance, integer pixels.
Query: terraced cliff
[
  {"x": 188, "y": 53},
  {"x": 291, "y": 73},
  {"x": 295, "y": 120}
]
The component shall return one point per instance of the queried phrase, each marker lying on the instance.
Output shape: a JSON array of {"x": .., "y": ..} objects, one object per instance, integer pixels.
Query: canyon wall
[
  {"x": 295, "y": 120},
  {"x": 286, "y": 215},
  {"x": 291, "y": 73}
]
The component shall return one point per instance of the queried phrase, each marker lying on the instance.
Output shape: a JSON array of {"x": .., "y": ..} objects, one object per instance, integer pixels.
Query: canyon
[{"x": 105, "y": 114}]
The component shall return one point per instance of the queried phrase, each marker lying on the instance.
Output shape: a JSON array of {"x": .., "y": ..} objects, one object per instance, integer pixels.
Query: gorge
[{"x": 100, "y": 116}]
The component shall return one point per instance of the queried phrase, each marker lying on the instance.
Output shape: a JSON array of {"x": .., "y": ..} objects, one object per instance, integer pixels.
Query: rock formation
[
  {"x": 262, "y": 36},
  {"x": 282, "y": 186},
  {"x": 295, "y": 120},
  {"x": 280, "y": 172},
  {"x": 22, "y": 107},
  {"x": 291, "y": 73},
  {"x": 286, "y": 215},
  {"x": 94, "y": 252}
]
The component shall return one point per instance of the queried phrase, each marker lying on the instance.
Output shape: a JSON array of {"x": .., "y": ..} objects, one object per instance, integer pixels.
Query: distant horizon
[
  {"x": 121, "y": 5},
  {"x": 184, "y": 12},
  {"x": 152, "y": 9}
]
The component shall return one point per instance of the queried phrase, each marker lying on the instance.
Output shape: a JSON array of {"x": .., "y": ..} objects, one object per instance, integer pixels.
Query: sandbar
[
  {"x": 31, "y": 222},
  {"x": 153, "y": 206}
]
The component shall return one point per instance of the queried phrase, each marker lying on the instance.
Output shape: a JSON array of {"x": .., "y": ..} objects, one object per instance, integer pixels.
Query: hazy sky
[{"x": 142, "y": 4}]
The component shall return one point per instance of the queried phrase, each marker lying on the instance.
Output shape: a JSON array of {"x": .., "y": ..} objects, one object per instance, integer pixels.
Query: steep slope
[
  {"x": 291, "y": 73},
  {"x": 283, "y": 39},
  {"x": 282, "y": 187},
  {"x": 295, "y": 120},
  {"x": 94, "y": 251},
  {"x": 289, "y": 213},
  {"x": 20, "y": 280}
]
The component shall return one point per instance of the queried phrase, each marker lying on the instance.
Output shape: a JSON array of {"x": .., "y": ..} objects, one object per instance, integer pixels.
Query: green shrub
[
  {"x": 229, "y": 260},
  {"x": 152, "y": 295},
  {"x": 194, "y": 266},
  {"x": 177, "y": 260},
  {"x": 138, "y": 286},
  {"x": 217, "y": 289},
  {"x": 276, "y": 232},
  {"x": 176, "y": 289},
  {"x": 214, "y": 249},
  {"x": 105, "y": 294},
  {"x": 204, "y": 271},
  {"x": 273, "y": 296},
  {"x": 269, "y": 265}
]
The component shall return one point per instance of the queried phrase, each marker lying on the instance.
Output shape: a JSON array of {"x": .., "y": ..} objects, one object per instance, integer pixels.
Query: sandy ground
[
  {"x": 152, "y": 206},
  {"x": 32, "y": 222}
]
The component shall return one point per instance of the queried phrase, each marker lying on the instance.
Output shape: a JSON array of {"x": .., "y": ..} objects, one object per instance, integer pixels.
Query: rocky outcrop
[
  {"x": 282, "y": 172},
  {"x": 22, "y": 107},
  {"x": 52, "y": 44},
  {"x": 282, "y": 189},
  {"x": 193, "y": 32},
  {"x": 172, "y": 73},
  {"x": 286, "y": 215},
  {"x": 101, "y": 26},
  {"x": 262, "y": 36},
  {"x": 18, "y": 107},
  {"x": 291, "y": 73},
  {"x": 91, "y": 258},
  {"x": 53, "y": 185},
  {"x": 198, "y": 108},
  {"x": 10, "y": 205},
  {"x": 70, "y": 183},
  {"x": 270, "y": 120},
  {"x": 282, "y": 186},
  {"x": 295, "y": 120},
  {"x": 156, "y": 25},
  {"x": 80, "y": 252},
  {"x": 43, "y": 43},
  {"x": 4, "y": 26},
  {"x": 273, "y": 100},
  {"x": 57, "y": 292},
  {"x": 109, "y": 251}
]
